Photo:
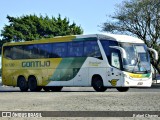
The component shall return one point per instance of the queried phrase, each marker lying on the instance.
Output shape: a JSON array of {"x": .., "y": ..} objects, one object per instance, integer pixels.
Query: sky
[{"x": 88, "y": 14}]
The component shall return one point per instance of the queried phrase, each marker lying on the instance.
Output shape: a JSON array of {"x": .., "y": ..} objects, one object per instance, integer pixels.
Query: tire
[
  {"x": 32, "y": 84},
  {"x": 122, "y": 89},
  {"x": 97, "y": 84},
  {"x": 22, "y": 84},
  {"x": 56, "y": 88},
  {"x": 46, "y": 89}
]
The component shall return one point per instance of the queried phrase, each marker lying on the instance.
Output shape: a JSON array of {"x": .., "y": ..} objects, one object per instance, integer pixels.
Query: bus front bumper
[{"x": 137, "y": 82}]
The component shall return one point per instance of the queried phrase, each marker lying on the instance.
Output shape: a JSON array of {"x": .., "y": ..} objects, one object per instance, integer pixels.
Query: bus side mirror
[
  {"x": 123, "y": 52},
  {"x": 155, "y": 53}
]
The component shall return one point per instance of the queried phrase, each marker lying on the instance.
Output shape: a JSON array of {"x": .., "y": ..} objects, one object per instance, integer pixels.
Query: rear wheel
[
  {"x": 56, "y": 88},
  {"x": 22, "y": 83},
  {"x": 32, "y": 83},
  {"x": 122, "y": 89},
  {"x": 97, "y": 84}
]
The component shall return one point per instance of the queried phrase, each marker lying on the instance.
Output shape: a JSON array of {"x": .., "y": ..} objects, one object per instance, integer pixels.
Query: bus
[{"x": 100, "y": 61}]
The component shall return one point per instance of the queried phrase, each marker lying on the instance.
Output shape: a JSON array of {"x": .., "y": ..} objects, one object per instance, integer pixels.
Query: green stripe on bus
[
  {"x": 67, "y": 69},
  {"x": 146, "y": 75}
]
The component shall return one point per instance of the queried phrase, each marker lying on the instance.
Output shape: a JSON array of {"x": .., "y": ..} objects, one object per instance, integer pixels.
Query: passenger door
[{"x": 114, "y": 72}]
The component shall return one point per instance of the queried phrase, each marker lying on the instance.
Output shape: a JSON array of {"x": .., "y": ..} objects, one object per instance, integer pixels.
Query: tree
[
  {"x": 31, "y": 27},
  {"x": 139, "y": 18}
]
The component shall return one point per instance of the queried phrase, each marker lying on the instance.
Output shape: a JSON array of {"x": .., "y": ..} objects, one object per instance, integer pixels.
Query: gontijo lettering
[{"x": 36, "y": 64}]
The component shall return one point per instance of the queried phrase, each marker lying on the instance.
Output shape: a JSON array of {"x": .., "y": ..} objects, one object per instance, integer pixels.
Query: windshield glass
[{"x": 137, "y": 60}]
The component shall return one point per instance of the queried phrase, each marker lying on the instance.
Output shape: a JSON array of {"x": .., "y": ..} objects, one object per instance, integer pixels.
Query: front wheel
[
  {"x": 97, "y": 84},
  {"x": 122, "y": 89}
]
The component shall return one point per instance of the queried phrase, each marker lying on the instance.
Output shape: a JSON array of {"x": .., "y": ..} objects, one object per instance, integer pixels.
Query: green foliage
[
  {"x": 31, "y": 27},
  {"x": 139, "y": 18}
]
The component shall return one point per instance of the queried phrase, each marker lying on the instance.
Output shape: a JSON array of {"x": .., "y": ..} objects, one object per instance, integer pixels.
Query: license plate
[{"x": 140, "y": 83}]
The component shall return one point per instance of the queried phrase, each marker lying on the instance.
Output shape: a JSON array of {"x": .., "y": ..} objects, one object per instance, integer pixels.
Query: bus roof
[
  {"x": 125, "y": 38},
  {"x": 115, "y": 37}
]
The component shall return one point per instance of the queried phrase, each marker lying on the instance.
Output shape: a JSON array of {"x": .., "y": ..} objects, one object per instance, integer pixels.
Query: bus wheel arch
[
  {"x": 33, "y": 84},
  {"x": 97, "y": 83},
  {"x": 22, "y": 83}
]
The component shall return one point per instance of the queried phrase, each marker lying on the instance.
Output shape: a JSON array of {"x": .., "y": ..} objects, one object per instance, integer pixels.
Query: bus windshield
[{"x": 137, "y": 60}]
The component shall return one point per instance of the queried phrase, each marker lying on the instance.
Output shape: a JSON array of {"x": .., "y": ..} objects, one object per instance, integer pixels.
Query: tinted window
[
  {"x": 30, "y": 52},
  {"x": 13, "y": 52},
  {"x": 106, "y": 44},
  {"x": 17, "y": 52},
  {"x": 75, "y": 49},
  {"x": 59, "y": 50},
  {"x": 44, "y": 50},
  {"x": 107, "y": 49},
  {"x": 54, "y": 50},
  {"x": 7, "y": 51},
  {"x": 91, "y": 49}
]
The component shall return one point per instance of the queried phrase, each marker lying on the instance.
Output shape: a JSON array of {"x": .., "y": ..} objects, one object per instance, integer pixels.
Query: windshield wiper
[{"x": 137, "y": 63}]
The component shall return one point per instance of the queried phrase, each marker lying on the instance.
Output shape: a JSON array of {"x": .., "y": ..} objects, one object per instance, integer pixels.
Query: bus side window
[
  {"x": 49, "y": 50},
  {"x": 106, "y": 43},
  {"x": 115, "y": 60},
  {"x": 17, "y": 52},
  {"x": 41, "y": 50},
  {"x": 59, "y": 50},
  {"x": 75, "y": 49},
  {"x": 28, "y": 52},
  {"x": 7, "y": 52},
  {"x": 35, "y": 53},
  {"x": 91, "y": 49}
]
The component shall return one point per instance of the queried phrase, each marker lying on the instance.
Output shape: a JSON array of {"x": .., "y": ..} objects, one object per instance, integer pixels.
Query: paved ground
[{"x": 81, "y": 99}]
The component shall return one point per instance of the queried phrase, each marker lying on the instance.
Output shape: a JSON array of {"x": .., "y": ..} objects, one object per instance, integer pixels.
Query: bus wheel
[
  {"x": 122, "y": 89},
  {"x": 56, "y": 88},
  {"x": 32, "y": 83},
  {"x": 97, "y": 84},
  {"x": 46, "y": 89},
  {"x": 22, "y": 83}
]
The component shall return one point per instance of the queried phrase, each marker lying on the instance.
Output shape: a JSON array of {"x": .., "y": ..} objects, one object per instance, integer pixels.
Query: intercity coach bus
[{"x": 98, "y": 60}]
